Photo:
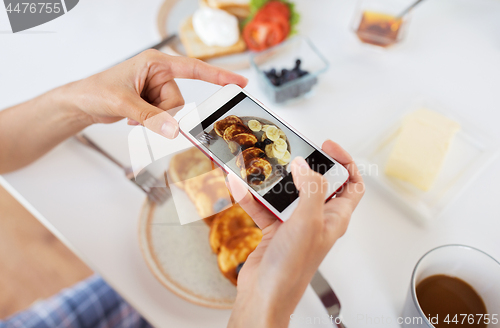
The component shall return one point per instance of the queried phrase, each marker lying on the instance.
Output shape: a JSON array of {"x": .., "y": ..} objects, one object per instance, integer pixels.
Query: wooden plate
[
  {"x": 171, "y": 15},
  {"x": 180, "y": 256}
]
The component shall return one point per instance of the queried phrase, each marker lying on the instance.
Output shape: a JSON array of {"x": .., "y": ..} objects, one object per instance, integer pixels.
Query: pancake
[
  {"x": 247, "y": 155},
  {"x": 209, "y": 193},
  {"x": 236, "y": 249},
  {"x": 234, "y": 129},
  {"x": 222, "y": 125},
  {"x": 242, "y": 141},
  {"x": 257, "y": 171},
  {"x": 210, "y": 220},
  {"x": 188, "y": 164},
  {"x": 227, "y": 224}
]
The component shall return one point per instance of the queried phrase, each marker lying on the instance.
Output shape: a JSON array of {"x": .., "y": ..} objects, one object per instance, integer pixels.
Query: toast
[
  {"x": 238, "y": 8},
  {"x": 195, "y": 48}
]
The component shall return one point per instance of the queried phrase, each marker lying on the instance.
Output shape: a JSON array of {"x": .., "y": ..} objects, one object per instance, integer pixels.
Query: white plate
[
  {"x": 471, "y": 152},
  {"x": 170, "y": 16}
]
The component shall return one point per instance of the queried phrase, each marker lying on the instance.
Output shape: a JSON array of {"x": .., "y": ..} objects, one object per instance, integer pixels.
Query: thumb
[
  {"x": 236, "y": 187},
  {"x": 312, "y": 186},
  {"x": 154, "y": 118}
]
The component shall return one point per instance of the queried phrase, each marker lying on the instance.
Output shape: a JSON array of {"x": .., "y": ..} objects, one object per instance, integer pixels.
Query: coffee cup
[{"x": 449, "y": 280}]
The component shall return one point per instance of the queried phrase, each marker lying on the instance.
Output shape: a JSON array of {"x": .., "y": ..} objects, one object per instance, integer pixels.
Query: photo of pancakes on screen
[{"x": 258, "y": 147}]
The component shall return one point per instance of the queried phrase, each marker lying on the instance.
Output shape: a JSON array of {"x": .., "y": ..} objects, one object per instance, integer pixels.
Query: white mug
[{"x": 469, "y": 264}]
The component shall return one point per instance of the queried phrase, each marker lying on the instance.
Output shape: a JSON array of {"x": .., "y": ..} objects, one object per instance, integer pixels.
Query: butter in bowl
[
  {"x": 425, "y": 158},
  {"x": 421, "y": 147}
]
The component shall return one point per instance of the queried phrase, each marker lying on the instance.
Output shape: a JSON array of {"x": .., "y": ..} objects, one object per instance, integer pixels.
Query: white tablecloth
[{"x": 451, "y": 55}]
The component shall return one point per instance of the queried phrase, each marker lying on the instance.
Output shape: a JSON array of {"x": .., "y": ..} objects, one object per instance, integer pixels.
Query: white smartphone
[{"x": 243, "y": 136}]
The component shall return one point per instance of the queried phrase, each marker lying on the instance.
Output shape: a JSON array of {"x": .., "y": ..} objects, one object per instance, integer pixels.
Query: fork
[{"x": 154, "y": 188}]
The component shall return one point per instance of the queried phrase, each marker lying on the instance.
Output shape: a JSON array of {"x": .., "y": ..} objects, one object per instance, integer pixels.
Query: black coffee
[{"x": 451, "y": 302}]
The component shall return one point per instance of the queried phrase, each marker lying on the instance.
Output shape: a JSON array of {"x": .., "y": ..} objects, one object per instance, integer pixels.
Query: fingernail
[
  {"x": 300, "y": 162},
  {"x": 169, "y": 130}
]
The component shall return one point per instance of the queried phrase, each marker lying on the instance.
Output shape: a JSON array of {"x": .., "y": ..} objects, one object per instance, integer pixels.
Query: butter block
[{"x": 421, "y": 148}]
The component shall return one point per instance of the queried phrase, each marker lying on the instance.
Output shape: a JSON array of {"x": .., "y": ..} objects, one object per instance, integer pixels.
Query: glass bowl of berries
[{"x": 290, "y": 70}]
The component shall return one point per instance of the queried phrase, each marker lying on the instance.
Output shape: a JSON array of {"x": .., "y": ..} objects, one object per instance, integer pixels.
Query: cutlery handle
[
  {"x": 407, "y": 10},
  {"x": 161, "y": 44},
  {"x": 83, "y": 139},
  {"x": 164, "y": 42},
  {"x": 327, "y": 296}
]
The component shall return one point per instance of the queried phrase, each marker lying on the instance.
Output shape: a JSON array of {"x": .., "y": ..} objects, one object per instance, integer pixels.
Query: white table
[{"x": 452, "y": 55}]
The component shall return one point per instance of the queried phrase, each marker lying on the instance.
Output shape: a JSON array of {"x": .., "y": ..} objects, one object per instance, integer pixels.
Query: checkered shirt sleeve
[{"x": 89, "y": 304}]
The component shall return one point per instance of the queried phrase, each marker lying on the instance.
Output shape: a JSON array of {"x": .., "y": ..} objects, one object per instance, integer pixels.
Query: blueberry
[
  {"x": 298, "y": 62},
  {"x": 221, "y": 204},
  {"x": 267, "y": 141},
  {"x": 275, "y": 80},
  {"x": 302, "y": 73},
  {"x": 280, "y": 170},
  {"x": 259, "y": 144},
  {"x": 292, "y": 76},
  {"x": 283, "y": 76},
  {"x": 256, "y": 178},
  {"x": 238, "y": 268},
  {"x": 262, "y": 155},
  {"x": 271, "y": 72}
]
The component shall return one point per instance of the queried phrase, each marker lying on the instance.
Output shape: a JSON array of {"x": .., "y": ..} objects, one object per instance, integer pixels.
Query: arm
[
  {"x": 30, "y": 129},
  {"x": 141, "y": 89}
]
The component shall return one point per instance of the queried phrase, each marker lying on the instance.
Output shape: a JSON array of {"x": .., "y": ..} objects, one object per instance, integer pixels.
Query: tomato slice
[
  {"x": 277, "y": 7},
  {"x": 260, "y": 35},
  {"x": 270, "y": 26},
  {"x": 267, "y": 13},
  {"x": 280, "y": 20}
]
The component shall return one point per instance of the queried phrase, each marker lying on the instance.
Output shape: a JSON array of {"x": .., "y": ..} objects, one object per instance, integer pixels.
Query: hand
[
  {"x": 276, "y": 274},
  {"x": 143, "y": 90}
]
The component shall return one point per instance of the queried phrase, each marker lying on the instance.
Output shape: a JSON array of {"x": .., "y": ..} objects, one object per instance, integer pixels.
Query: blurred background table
[{"x": 451, "y": 55}]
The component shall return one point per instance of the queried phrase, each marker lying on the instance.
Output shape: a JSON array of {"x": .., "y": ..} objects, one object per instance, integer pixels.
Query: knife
[
  {"x": 160, "y": 44},
  {"x": 327, "y": 297}
]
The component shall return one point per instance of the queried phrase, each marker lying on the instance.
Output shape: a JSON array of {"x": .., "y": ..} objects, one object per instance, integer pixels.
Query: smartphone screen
[{"x": 233, "y": 136}]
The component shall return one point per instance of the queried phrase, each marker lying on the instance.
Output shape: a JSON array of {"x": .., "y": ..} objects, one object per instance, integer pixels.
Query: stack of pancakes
[
  {"x": 254, "y": 167},
  {"x": 205, "y": 185},
  {"x": 233, "y": 234}
]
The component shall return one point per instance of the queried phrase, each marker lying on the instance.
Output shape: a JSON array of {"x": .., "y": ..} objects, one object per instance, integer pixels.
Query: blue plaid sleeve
[{"x": 89, "y": 304}]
